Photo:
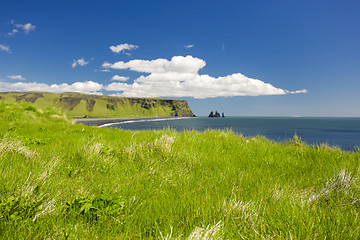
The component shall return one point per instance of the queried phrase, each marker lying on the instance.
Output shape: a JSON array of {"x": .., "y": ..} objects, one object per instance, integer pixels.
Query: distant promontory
[{"x": 97, "y": 106}]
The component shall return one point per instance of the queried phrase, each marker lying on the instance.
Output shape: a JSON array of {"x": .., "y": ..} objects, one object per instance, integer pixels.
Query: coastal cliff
[{"x": 97, "y": 106}]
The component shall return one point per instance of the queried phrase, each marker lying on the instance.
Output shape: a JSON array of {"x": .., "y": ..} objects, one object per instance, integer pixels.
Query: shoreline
[{"x": 105, "y": 122}]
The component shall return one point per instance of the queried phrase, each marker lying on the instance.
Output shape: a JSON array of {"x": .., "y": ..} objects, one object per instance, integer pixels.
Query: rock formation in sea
[{"x": 216, "y": 115}]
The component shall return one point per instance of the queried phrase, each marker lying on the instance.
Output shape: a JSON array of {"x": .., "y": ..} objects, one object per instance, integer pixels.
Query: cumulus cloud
[
  {"x": 81, "y": 62},
  {"x": 189, "y": 46},
  {"x": 83, "y": 87},
  {"x": 26, "y": 28},
  {"x": 5, "y": 48},
  {"x": 179, "y": 64},
  {"x": 194, "y": 85},
  {"x": 179, "y": 77},
  {"x": 16, "y": 77},
  {"x": 119, "y": 78},
  {"x": 123, "y": 47}
]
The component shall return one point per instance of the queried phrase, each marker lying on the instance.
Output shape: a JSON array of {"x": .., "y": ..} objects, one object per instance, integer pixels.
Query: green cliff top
[{"x": 96, "y": 106}]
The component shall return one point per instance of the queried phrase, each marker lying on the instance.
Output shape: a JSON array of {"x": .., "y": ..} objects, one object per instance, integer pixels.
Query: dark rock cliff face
[
  {"x": 28, "y": 97},
  {"x": 181, "y": 109}
]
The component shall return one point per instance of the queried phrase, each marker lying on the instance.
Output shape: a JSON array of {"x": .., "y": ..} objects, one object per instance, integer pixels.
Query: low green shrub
[
  {"x": 17, "y": 208},
  {"x": 93, "y": 208}
]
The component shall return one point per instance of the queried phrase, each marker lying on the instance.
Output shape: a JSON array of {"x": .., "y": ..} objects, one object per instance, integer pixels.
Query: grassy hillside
[
  {"x": 85, "y": 105},
  {"x": 60, "y": 180}
]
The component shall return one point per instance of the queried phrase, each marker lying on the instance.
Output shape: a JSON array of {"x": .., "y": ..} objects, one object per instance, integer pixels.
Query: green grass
[
  {"x": 60, "y": 180},
  {"x": 85, "y": 105}
]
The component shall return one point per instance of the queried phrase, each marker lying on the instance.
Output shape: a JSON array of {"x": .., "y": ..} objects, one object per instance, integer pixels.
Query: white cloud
[
  {"x": 81, "y": 62},
  {"x": 12, "y": 33},
  {"x": 16, "y": 77},
  {"x": 122, "y": 47},
  {"x": 5, "y": 48},
  {"x": 179, "y": 78},
  {"x": 83, "y": 87},
  {"x": 189, "y": 46},
  {"x": 298, "y": 91},
  {"x": 26, "y": 28},
  {"x": 105, "y": 70},
  {"x": 193, "y": 85},
  {"x": 119, "y": 78},
  {"x": 187, "y": 64}
]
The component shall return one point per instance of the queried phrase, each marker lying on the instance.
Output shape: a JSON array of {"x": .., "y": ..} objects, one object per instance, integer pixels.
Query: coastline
[{"x": 104, "y": 122}]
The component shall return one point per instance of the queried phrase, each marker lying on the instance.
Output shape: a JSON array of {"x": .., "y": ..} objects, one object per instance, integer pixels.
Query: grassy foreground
[{"x": 60, "y": 180}]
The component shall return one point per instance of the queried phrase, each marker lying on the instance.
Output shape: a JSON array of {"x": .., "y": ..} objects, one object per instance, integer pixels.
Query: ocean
[{"x": 340, "y": 132}]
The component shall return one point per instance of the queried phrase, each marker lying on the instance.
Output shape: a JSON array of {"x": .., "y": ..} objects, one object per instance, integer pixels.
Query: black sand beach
[{"x": 103, "y": 121}]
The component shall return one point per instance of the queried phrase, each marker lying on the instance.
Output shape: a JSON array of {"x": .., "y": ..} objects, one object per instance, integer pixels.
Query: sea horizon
[
  {"x": 342, "y": 132},
  {"x": 295, "y": 116}
]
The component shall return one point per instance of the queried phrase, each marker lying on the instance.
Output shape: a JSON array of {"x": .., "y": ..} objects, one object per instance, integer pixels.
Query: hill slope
[
  {"x": 85, "y": 105},
  {"x": 60, "y": 180}
]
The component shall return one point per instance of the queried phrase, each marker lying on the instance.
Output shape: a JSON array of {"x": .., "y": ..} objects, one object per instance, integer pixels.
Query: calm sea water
[{"x": 341, "y": 132}]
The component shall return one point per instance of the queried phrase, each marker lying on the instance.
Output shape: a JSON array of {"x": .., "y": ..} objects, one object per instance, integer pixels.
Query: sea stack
[{"x": 216, "y": 115}]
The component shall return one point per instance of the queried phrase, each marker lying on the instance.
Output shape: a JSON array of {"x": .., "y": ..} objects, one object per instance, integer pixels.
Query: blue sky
[{"x": 247, "y": 58}]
